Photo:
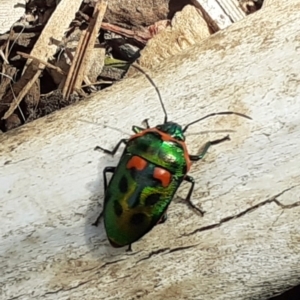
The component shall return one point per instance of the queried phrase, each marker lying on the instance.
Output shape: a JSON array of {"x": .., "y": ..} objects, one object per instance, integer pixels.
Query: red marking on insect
[
  {"x": 162, "y": 175},
  {"x": 137, "y": 162},
  {"x": 166, "y": 137}
]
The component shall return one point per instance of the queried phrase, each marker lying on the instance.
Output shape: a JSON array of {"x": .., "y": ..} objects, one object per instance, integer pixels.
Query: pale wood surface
[
  {"x": 270, "y": 2},
  {"x": 11, "y": 11},
  {"x": 247, "y": 244},
  {"x": 215, "y": 12}
]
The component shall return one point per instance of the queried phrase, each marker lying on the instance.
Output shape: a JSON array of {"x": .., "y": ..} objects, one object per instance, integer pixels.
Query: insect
[{"x": 153, "y": 165}]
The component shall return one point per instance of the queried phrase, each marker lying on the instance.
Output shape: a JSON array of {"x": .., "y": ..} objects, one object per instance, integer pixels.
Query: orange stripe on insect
[
  {"x": 166, "y": 137},
  {"x": 162, "y": 175},
  {"x": 136, "y": 162}
]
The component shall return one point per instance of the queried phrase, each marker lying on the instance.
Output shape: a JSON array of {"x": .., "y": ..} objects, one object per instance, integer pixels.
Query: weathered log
[
  {"x": 247, "y": 244},
  {"x": 269, "y": 2}
]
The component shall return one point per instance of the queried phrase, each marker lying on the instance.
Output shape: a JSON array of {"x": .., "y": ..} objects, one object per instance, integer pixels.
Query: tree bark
[{"x": 247, "y": 244}]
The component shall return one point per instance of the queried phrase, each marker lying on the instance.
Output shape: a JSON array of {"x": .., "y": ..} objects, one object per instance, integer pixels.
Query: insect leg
[
  {"x": 146, "y": 121},
  {"x": 191, "y": 180},
  {"x": 207, "y": 146},
  {"x": 112, "y": 152},
  {"x": 137, "y": 129},
  {"x": 96, "y": 223},
  {"x": 163, "y": 219},
  {"x": 105, "y": 171},
  {"x": 129, "y": 249}
]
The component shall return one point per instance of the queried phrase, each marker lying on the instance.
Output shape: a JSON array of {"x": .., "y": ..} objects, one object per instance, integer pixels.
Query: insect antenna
[
  {"x": 156, "y": 88},
  {"x": 215, "y": 114}
]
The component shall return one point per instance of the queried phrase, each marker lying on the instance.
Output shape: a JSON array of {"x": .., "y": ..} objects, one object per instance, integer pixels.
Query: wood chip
[
  {"x": 83, "y": 54},
  {"x": 180, "y": 35},
  {"x": 43, "y": 50}
]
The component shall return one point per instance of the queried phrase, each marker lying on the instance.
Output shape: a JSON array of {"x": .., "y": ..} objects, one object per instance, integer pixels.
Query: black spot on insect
[
  {"x": 118, "y": 208},
  {"x": 156, "y": 134},
  {"x": 152, "y": 199},
  {"x": 145, "y": 143},
  {"x": 175, "y": 165},
  {"x": 143, "y": 146},
  {"x": 137, "y": 219},
  {"x": 123, "y": 184},
  {"x": 133, "y": 172}
]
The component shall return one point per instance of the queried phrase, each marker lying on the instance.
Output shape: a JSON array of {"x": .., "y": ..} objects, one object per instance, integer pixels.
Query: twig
[
  {"x": 77, "y": 71},
  {"x": 21, "y": 95},
  {"x": 48, "y": 65},
  {"x": 141, "y": 37}
]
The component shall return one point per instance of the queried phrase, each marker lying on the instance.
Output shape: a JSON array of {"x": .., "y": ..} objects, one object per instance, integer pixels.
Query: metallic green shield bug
[{"x": 154, "y": 163}]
